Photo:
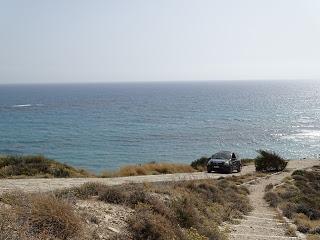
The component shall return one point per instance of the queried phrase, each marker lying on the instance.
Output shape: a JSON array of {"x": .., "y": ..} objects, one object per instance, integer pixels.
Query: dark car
[{"x": 224, "y": 161}]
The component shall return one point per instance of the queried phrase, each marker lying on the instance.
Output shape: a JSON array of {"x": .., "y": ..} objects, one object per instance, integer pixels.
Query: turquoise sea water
[{"x": 99, "y": 126}]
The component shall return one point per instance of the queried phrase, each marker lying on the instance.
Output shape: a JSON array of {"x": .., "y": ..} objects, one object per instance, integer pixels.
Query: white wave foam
[
  {"x": 27, "y": 105},
  {"x": 22, "y": 105}
]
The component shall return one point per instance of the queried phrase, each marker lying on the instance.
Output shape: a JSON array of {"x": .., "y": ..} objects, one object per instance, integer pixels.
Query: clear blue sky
[{"x": 154, "y": 40}]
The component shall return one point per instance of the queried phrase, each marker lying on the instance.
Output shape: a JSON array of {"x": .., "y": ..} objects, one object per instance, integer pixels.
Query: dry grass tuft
[
  {"x": 313, "y": 237},
  {"x": 291, "y": 231},
  {"x": 150, "y": 169}
]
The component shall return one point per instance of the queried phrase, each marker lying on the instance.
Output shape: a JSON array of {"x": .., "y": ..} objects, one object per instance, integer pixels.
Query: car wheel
[
  {"x": 239, "y": 168},
  {"x": 208, "y": 170},
  {"x": 230, "y": 169}
]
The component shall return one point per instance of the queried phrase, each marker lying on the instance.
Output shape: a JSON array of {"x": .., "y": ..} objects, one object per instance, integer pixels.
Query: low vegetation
[
  {"x": 175, "y": 210},
  {"x": 37, "y": 216},
  {"x": 269, "y": 162},
  {"x": 152, "y": 168},
  {"x": 299, "y": 199},
  {"x": 200, "y": 164},
  {"x": 20, "y": 166},
  {"x": 36, "y": 166},
  {"x": 247, "y": 161}
]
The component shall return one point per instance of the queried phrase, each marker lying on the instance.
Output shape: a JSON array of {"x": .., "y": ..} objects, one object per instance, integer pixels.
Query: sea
[{"x": 105, "y": 126}]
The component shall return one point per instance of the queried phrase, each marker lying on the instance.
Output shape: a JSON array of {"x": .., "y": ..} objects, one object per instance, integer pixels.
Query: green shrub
[
  {"x": 36, "y": 165},
  {"x": 298, "y": 173},
  {"x": 200, "y": 164},
  {"x": 309, "y": 211},
  {"x": 269, "y": 162}
]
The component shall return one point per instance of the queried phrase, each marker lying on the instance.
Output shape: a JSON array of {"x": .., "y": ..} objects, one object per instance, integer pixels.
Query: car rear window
[{"x": 222, "y": 155}]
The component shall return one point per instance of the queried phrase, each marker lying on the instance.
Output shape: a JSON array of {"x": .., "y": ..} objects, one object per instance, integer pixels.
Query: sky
[{"x": 45, "y": 41}]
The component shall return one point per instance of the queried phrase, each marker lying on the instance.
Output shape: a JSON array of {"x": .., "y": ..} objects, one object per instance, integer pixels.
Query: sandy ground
[
  {"x": 103, "y": 220},
  {"x": 261, "y": 223}
]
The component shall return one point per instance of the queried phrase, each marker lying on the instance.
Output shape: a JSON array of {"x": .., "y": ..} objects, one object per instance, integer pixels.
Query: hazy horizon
[
  {"x": 160, "y": 81},
  {"x": 154, "y": 41}
]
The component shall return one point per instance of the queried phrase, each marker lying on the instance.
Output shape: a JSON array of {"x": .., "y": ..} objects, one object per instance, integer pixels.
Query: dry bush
[
  {"x": 84, "y": 191},
  {"x": 47, "y": 214},
  {"x": 39, "y": 216},
  {"x": 207, "y": 190},
  {"x": 138, "y": 194},
  {"x": 113, "y": 195},
  {"x": 268, "y": 187},
  {"x": 146, "y": 224},
  {"x": 150, "y": 169},
  {"x": 161, "y": 208},
  {"x": 289, "y": 209},
  {"x": 272, "y": 198},
  {"x": 186, "y": 213}
]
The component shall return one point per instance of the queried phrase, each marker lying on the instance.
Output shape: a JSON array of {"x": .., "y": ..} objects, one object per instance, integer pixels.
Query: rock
[{"x": 113, "y": 230}]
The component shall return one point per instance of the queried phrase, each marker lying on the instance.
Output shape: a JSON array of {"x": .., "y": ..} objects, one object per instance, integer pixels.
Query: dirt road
[
  {"x": 42, "y": 185},
  {"x": 45, "y": 184}
]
